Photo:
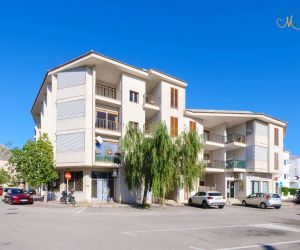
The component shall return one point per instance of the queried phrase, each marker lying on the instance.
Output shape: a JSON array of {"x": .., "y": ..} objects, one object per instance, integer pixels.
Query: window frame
[
  {"x": 174, "y": 98},
  {"x": 133, "y": 96},
  {"x": 276, "y": 161},
  {"x": 174, "y": 126},
  {"x": 276, "y": 136}
]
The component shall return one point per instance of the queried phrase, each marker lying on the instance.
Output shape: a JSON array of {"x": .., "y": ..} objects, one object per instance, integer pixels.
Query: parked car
[
  {"x": 297, "y": 197},
  {"x": 5, "y": 192},
  {"x": 30, "y": 191},
  {"x": 17, "y": 196},
  {"x": 208, "y": 199},
  {"x": 1, "y": 191},
  {"x": 262, "y": 200}
]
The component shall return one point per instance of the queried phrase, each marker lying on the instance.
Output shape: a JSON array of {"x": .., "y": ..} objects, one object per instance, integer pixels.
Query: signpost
[{"x": 68, "y": 177}]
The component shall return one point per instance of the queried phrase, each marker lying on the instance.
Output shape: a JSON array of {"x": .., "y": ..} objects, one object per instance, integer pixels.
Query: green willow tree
[
  {"x": 34, "y": 163},
  {"x": 188, "y": 166},
  {"x": 159, "y": 164}
]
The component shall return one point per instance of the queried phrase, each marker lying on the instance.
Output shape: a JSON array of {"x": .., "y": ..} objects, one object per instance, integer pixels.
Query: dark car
[
  {"x": 30, "y": 191},
  {"x": 297, "y": 197},
  {"x": 17, "y": 196}
]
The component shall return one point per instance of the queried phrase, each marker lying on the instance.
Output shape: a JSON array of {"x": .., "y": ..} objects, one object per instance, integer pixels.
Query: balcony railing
[
  {"x": 235, "y": 138},
  {"x": 108, "y": 92},
  {"x": 214, "y": 164},
  {"x": 235, "y": 164},
  {"x": 107, "y": 124},
  {"x": 150, "y": 99},
  {"x": 108, "y": 158},
  {"x": 214, "y": 137}
]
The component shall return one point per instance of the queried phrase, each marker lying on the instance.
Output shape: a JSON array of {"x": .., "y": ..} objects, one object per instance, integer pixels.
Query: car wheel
[
  {"x": 10, "y": 202},
  {"x": 204, "y": 205},
  {"x": 278, "y": 207},
  {"x": 244, "y": 203},
  {"x": 221, "y": 206},
  {"x": 263, "y": 205},
  {"x": 190, "y": 202}
]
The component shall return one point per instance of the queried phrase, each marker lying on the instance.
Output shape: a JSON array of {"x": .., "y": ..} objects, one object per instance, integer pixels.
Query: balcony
[
  {"x": 148, "y": 127},
  {"x": 108, "y": 127},
  {"x": 213, "y": 141},
  {"x": 235, "y": 141},
  {"x": 233, "y": 164},
  {"x": 151, "y": 104},
  {"x": 106, "y": 95},
  {"x": 214, "y": 166},
  {"x": 108, "y": 158}
]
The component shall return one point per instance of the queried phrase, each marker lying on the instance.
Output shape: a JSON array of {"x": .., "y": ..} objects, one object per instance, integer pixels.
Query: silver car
[
  {"x": 208, "y": 199},
  {"x": 262, "y": 200}
]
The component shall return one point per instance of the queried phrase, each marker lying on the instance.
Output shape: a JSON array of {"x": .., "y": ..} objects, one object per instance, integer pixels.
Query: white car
[
  {"x": 262, "y": 200},
  {"x": 208, "y": 199}
]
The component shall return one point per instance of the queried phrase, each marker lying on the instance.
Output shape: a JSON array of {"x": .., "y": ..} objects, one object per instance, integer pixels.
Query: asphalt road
[{"x": 234, "y": 227}]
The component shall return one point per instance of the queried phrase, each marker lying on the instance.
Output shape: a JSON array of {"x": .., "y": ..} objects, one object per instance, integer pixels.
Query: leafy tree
[
  {"x": 34, "y": 163},
  {"x": 188, "y": 166},
  {"x": 4, "y": 176},
  {"x": 162, "y": 162}
]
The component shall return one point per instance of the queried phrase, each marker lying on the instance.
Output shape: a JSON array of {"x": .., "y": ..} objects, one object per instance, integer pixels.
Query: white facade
[
  {"x": 294, "y": 172},
  {"x": 93, "y": 98}
]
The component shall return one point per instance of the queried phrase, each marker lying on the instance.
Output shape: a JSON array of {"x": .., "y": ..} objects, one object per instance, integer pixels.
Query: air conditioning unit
[{"x": 238, "y": 176}]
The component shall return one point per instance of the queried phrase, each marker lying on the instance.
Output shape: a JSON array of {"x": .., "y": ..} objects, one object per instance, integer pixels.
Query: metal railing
[
  {"x": 107, "y": 124},
  {"x": 236, "y": 138},
  {"x": 235, "y": 164},
  {"x": 214, "y": 164},
  {"x": 107, "y": 92},
  {"x": 213, "y": 137},
  {"x": 150, "y": 99}
]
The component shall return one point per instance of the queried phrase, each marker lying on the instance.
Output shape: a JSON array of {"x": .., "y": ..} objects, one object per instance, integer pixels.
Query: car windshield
[
  {"x": 17, "y": 191},
  {"x": 215, "y": 194},
  {"x": 274, "y": 195}
]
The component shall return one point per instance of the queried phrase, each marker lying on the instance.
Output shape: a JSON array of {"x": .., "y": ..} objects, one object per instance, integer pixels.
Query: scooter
[{"x": 65, "y": 196}]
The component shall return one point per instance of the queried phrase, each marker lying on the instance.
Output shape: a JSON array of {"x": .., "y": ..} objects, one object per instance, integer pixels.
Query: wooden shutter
[
  {"x": 276, "y": 136},
  {"x": 192, "y": 125},
  {"x": 176, "y": 98}
]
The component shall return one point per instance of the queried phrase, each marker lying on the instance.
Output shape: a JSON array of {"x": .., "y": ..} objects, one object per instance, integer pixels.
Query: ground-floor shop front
[{"x": 235, "y": 185}]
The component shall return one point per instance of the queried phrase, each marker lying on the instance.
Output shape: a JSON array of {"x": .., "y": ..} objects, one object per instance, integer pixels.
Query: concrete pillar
[{"x": 87, "y": 185}]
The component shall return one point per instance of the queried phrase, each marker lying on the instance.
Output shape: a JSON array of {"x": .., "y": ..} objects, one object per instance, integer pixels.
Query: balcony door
[{"x": 107, "y": 119}]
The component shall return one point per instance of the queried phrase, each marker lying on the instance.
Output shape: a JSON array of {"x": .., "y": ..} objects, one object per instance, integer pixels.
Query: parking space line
[
  {"x": 261, "y": 245},
  {"x": 134, "y": 233}
]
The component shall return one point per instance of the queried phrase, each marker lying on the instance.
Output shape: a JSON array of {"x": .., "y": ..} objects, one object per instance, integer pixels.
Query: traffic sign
[{"x": 68, "y": 176}]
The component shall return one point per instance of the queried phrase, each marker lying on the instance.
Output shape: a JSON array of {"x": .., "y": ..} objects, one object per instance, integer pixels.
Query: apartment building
[
  {"x": 84, "y": 106},
  {"x": 243, "y": 151},
  {"x": 294, "y": 171}
]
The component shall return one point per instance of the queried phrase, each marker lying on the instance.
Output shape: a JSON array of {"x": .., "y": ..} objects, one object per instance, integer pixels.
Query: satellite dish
[{"x": 99, "y": 139}]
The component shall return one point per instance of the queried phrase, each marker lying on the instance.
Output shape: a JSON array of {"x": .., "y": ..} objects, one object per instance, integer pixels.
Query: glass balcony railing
[
  {"x": 108, "y": 158},
  {"x": 213, "y": 137},
  {"x": 150, "y": 99},
  {"x": 236, "y": 138},
  {"x": 214, "y": 164},
  {"x": 235, "y": 164}
]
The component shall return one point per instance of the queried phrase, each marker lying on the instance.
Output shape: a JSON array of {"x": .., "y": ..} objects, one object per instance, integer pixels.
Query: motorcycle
[{"x": 69, "y": 196}]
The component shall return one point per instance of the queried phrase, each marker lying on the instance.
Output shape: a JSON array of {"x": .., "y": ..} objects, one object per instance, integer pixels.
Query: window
[
  {"x": 276, "y": 161},
  {"x": 134, "y": 125},
  {"x": 265, "y": 186},
  {"x": 192, "y": 125},
  {"x": 276, "y": 136},
  {"x": 133, "y": 96},
  {"x": 174, "y": 126},
  {"x": 285, "y": 176},
  {"x": 76, "y": 182},
  {"x": 107, "y": 119},
  {"x": 174, "y": 98},
  {"x": 255, "y": 187}
]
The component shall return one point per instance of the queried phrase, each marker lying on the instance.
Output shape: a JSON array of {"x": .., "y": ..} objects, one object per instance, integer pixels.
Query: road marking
[
  {"x": 80, "y": 210},
  {"x": 133, "y": 233},
  {"x": 266, "y": 226},
  {"x": 261, "y": 245},
  {"x": 196, "y": 248}
]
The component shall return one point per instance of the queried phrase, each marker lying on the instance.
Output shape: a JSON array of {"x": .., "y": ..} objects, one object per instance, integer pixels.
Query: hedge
[{"x": 286, "y": 190}]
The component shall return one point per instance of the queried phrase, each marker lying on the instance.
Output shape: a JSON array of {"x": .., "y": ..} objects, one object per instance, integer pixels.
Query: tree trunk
[
  {"x": 145, "y": 193},
  {"x": 46, "y": 195}
]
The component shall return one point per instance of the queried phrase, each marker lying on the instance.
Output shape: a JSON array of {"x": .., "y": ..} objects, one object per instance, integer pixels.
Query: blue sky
[{"x": 231, "y": 52}]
